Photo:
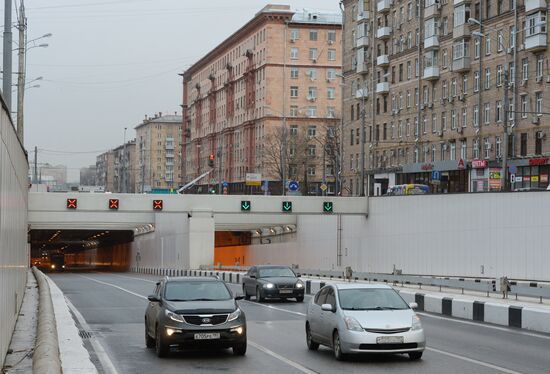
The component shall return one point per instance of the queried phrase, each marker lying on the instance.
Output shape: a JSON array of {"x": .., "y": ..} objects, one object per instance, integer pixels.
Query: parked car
[
  {"x": 272, "y": 281},
  {"x": 193, "y": 312},
  {"x": 363, "y": 318}
]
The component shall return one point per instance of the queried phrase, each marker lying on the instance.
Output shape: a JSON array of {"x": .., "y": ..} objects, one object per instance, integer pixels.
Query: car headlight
[
  {"x": 352, "y": 324},
  {"x": 299, "y": 284},
  {"x": 269, "y": 285},
  {"x": 174, "y": 316},
  {"x": 233, "y": 316},
  {"x": 416, "y": 325}
]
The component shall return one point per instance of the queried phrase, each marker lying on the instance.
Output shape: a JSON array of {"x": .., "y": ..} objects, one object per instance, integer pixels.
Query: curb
[{"x": 46, "y": 353}]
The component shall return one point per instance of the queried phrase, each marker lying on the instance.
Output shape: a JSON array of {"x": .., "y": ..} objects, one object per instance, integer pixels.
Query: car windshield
[
  {"x": 276, "y": 272},
  {"x": 371, "y": 299},
  {"x": 196, "y": 291}
]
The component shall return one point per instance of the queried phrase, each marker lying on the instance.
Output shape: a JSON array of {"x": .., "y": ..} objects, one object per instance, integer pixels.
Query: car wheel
[
  {"x": 246, "y": 295},
  {"x": 259, "y": 297},
  {"x": 337, "y": 348},
  {"x": 149, "y": 342},
  {"x": 160, "y": 347},
  {"x": 239, "y": 349},
  {"x": 415, "y": 355},
  {"x": 300, "y": 299},
  {"x": 311, "y": 344}
]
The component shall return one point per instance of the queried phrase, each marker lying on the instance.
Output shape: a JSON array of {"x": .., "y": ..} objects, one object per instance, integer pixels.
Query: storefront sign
[
  {"x": 526, "y": 178},
  {"x": 461, "y": 164},
  {"x": 495, "y": 174},
  {"x": 427, "y": 167},
  {"x": 479, "y": 164},
  {"x": 253, "y": 179},
  {"x": 544, "y": 178},
  {"x": 534, "y": 178},
  {"x": 518, "y": 179},
  {"x": 538, "y": 161}
]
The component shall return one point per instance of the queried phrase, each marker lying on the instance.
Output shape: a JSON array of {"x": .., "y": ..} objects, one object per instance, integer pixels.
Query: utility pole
[
  {"x": 35, "y": 175},
  {"x": 124, "y": 169},
  {"x": 363, "y": 127},
  {"x": 142, "y": 169},
  {"x": 505, "y": 126},
  {"x": 6, "y": 87},
  {"x": 325, "y": 167},
  {"x": 219, "y": 153},
  {"x": 21, "y": 51}
]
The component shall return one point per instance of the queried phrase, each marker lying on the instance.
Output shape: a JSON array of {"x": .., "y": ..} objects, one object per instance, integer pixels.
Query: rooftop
[{"x": 159, "y": 118}]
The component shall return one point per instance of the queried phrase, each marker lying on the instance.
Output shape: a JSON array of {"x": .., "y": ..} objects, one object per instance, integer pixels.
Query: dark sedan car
[
  {"x": 189, "y": 312},
  {"x": 271, "y": 281}
]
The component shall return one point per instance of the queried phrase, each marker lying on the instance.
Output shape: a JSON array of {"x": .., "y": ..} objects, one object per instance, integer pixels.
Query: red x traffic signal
[
  {"x": 71, "y": 203},
  {"x": 157, "y": 204},
  {"x": 113, "y": 204}
]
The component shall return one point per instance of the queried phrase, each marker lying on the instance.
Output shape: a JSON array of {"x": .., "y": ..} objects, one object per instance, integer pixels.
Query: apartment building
[
  {"x": 125, "y": 167},
  {"x": 158, "y": 153},
  {"x": 105, "y": 166},
  {"x": 450, "y": 87},
  {"x": 267, "y": 93}
]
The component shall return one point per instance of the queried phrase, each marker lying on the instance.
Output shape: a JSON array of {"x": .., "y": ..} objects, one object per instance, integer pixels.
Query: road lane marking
[
  {"x": 115, "y": 286},
  {"x": 100, "y": 352},
  {"x": 141, "y": 279},
  {"x": 275, "y": 308},
  {"x": 474, "y": 361},
  {"x": 478, "y": 324},
  {"x": 294, "y": 364}
]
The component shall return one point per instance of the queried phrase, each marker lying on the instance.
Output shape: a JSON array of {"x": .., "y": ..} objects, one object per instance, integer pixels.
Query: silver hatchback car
[{"x": 363, "y": 318}]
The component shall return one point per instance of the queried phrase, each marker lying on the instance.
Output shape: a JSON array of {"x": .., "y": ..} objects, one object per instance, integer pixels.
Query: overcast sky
[{"x": 110, "y": 62}]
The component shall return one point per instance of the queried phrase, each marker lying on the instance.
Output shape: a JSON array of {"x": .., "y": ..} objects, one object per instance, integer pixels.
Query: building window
[
  {"x": 538, "y": 142},
  {"x": 445, "y": 59},
  {"x": 463, "y": 149},
  {"x": 523, "y": 144},
  {"x": 487, "y": 78},
  {"x": 312, "y": 74},
  {"x": 331, "y": 112},
  {"x": 538, "y": 103},
  {"x": 523, "y": 99},
  {"x": 525, "y": 69},
  {"x": 294, "y": 91},
  {"x": 351, "y": 138},
  {"x": 498, "y": 113},
  {"x": 433, "y": 152},
  {"x": 312, "y": 111},
  {"x": 311, "y": 131},
  {"x": 453, "y": 87},
  {"x": 331, "y": 36},
  {"x": 487, "y": 113},
  {"x": 476, "y": 115},
  {"x": 293, "y": 130},
  {"x": 453, "y": 119},
  {"x": 434, "y": 123},
  {"x": 294, "y": 34},
  {"x": 476, "y": 149},
  {"x": 294, "y": 73},
  {"x": 331, "y": 74},
  {"x": 498, "y": 147},
  {"x": 293, "y": 111},
  {"x": 311, "y": 150},
  {"x": 443, "y": 121},
  {"x": 487, "y": 41},
  {"x": 499, "y": 75},
  {"x": 313, "y": 54},
  {"x": 487, "y": 148},
  {"x": 331, "y": 93},
  {"x": 477, "y": 48},
  {"x": 311, "y": 170},
  {"x": 293, "y": 53},
  {"x": 476, "y": 81},
  {"x": 312, "y": 93},
  {"x": 313, "y": 35},
  {"x": 540, "y": 66},
  {"x": 500, "y": 40},
  {"x": 464, "y": 117},
  {"x": 452, "y": 155},
  {"x": 331, "y": 54}
]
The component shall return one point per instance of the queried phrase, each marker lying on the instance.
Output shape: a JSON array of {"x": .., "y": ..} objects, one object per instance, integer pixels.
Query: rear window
[
  {"x": 371, "y": 299},
  {"x": 276, "y": 272},
  {"x": 196, "y": 291}
]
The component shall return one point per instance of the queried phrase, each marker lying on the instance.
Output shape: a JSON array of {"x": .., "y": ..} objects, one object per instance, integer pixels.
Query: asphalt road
[{"x": 113, "y": 305}]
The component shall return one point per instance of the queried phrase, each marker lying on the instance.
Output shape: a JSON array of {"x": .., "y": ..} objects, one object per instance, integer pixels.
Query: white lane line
[
  {"x": 100, "y": 352},
  {"x": 273, "y": 307},
  {"x": 140, "y": 279},
  {"x": 115, "y": 286},
  {"x": 294, "y": 364},
  {"x": 479, "y": 324},
  {"x": 473, "y": 361}
]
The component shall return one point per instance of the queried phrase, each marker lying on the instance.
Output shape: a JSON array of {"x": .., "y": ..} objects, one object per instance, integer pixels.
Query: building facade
[
  {"x": 105, "y": 167},
  {"x": 451, "y": 88},
  {"x": 157, "y": 153},
  {"x": 125, "y": 168},
  {"x": 269, "y": 92}
]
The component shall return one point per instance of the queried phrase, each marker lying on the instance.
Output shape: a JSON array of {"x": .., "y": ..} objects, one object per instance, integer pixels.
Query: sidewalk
[{"x": 19, "y": 357}]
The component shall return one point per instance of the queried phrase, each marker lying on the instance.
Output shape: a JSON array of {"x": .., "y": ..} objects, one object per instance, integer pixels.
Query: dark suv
[
  {"x": 193, "y": 312},
  {"x": 272, "y": 281}
]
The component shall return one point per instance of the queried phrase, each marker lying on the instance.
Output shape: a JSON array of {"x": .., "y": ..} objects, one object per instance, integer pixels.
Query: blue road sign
[
  {"x": 293, "y": 186},
  {"x": 513, "y": 169},
  {"x": 225, "y": 184},
  {"x": 436, "y": 175}
]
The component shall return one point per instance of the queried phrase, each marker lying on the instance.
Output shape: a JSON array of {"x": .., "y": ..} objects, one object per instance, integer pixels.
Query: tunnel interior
[{"x": 81, "y": 250}]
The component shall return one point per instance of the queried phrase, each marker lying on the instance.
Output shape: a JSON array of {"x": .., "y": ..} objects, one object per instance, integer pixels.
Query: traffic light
[
  {"x": 211, "y": 160},
  {"x": 113, "y": 204},
  {"x": 287, "y": 206},
  {"x": 246, "y": 206},
  {"x": 327, "y": 207},
  {"x": 157, "y": 205},
  {"x": 71, "y": 203}
]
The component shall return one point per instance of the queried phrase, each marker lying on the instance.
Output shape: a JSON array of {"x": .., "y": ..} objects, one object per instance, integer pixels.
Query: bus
[{"x": 408, "y": 189}]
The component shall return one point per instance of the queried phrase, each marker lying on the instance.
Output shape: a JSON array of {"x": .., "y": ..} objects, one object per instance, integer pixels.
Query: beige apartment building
[
  {"x": 437, "y": 76},
  {"x": 125, "y": 167},
  {"x": 267, "y": 93},
  {"x": 158, "y": 154}
]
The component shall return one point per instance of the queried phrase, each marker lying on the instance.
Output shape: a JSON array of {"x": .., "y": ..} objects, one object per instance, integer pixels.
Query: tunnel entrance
[
  {"x": 81, "y": 250},
  {"x": 230, "y": 247}
]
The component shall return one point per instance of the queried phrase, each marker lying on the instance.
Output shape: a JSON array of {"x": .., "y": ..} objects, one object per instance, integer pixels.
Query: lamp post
[{"x": 124, "y": 179}]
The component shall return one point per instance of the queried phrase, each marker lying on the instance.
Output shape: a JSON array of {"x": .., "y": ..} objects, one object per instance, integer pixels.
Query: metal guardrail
[{"x": 487, "y": 286}]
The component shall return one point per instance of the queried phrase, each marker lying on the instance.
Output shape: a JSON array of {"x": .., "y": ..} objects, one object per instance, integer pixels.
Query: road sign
[
  {"x": 323, "y": 187},
  {"x": 512, "y": 178},
  {"x": 246, "y": 206},
  {"x": 71, "y": 203},
  {"x": 327, "y": 207},
  {"x": 513, "y": 169},
  {"x": 157, "y": 204},
  {"x": 225, "y": 184},
  {"x": 287, "y": 206},
  {"x": 253, "y": 179},
  {"x": 436, "y": 175},
  {"x": 293, "y": 186},
  {"x": 113, "y": 204}
]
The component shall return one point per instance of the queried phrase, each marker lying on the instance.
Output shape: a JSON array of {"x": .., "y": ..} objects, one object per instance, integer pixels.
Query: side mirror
[
  {"x": 328, "y": 308},
  {"x": 239, "y": 297},
  {"x": 252, "y": 276},
  {"x": 413, "y": 305},
  {"x": 153, "y": 298}
]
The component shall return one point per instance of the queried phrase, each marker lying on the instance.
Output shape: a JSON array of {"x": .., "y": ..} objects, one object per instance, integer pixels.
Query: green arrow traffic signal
[
  {"x": 246, "y": 206},
  {"x": 327, "y": 207},
  {"x": 287, "y": 206}
]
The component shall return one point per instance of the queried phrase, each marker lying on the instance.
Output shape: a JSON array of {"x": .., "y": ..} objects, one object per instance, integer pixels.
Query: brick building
[
  {"x": 434, "y": 73},
  {"x": 105, "y": 166},
  {"x": 273, "y": 85}
]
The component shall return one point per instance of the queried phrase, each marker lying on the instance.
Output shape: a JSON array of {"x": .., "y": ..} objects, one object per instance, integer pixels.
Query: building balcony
[
  {"x": 459, "y": 2},
  {"x": 363, "y": 16},
  {"x": 361, "y": 68},
  {"x": 383, "y": 6},
  {"x": 169, "y": 146},
  {"x": 383, "y": 32},
  {"x": 362, "y": 92},
  {"x": 383, "y": 60},
  {"x": 431, "y": 73},
  {"x": 362, "y": 41},
  {"x": 461, "y": 65},
  {"x": 536, "y": 42},
  {"x": 533, "y": 5},
  {"x": 461, "y": 31},
  {"x": 431, "y": 42},
  {"x": 383, "y": 88},
  {"x": 432, "y": 11}
]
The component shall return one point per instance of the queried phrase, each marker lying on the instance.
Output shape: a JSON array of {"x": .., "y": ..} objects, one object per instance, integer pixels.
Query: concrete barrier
[
  {"x": 496, "y": 313},
  {"x": 462, "y": 309},
  {"x": 46, "y": 353}
]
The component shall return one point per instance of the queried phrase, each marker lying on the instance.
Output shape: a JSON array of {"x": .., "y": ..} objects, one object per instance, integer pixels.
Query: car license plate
[
  {"x": 285, "y": 291},
  {"x": 389, "y": 340},
  {"x": 207, "y": 336}
]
